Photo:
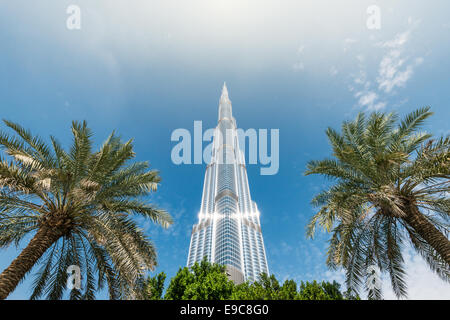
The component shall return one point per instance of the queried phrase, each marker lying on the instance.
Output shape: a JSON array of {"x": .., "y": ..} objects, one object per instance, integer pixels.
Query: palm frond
[{"x": 88, "y": 199}]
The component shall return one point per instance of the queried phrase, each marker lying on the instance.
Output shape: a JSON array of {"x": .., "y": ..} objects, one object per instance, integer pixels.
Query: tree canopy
[
  {"x": 79, "y": 207},
  {"x": 206, "y": 281},
  {"x": 390, "y": 186}
]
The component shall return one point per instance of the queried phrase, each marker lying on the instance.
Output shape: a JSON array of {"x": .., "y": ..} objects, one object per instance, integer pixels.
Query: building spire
[
  {"x": 225, "y": 104},
  {"x": 225, "y": 90}
]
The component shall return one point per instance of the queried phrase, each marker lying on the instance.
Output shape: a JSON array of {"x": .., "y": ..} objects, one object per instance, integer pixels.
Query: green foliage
[
  {"x": 153, "y": 287},
  {"x": 206, "y": 281},
  {"x": 88, "y": 197},
  {"x": 320, "y": 291},
  {"x": 267, "y": 288},
  {"x": 288, "y": 290},
  {"x": 332, "y": 290},
  {"x": 386, "y": 175},
  {"x": 349, "y": 295}
]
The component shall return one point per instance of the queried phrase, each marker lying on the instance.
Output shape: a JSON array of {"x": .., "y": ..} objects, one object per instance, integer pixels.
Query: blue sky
[{"x": 146, "y": 68}]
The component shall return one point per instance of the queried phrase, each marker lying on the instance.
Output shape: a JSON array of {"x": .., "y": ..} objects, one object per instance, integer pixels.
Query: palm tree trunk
[
  {"x": 17, "y": 270},
  {"x": 429, "y": 232}
]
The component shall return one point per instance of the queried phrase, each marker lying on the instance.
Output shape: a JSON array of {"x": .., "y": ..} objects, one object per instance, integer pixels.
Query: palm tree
[
  {"x": 392, "y": 185},
  {"x": 79, "y": 205}
]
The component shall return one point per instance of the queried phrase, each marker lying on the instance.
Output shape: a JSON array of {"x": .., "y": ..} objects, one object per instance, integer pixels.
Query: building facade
[{"x": 228, "y": 231}]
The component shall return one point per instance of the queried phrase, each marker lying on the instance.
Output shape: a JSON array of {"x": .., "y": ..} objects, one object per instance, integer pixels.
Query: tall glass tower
[{"x": 228, "y": 231}]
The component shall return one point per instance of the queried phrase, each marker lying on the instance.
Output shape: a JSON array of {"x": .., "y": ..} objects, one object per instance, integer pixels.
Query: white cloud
[
  {"x": 369, "y": 100},
  {"x": 390, "y": 76},
  {"x": 377, "y": 106},
  {"x": 395, "y": 68},
  {"x": 399, "y": 40},
  {"x": 422, "y": 283},
  {"x": 361, "y": 78}
]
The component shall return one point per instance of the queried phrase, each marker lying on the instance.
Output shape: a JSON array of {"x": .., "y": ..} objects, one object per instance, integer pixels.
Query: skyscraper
[{"x": 228, "y": 231}]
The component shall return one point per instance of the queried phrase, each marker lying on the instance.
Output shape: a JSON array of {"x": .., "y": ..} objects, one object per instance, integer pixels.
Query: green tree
[
  {"x": 349, "y": 295},
  {"x": 153, "y": 287},
  {"x": 288, "y": 290},
  {"x": 332, "y": 289},
  {"x": 204, "y": 281},
  {"x": 311, "y": 291},
  {"x": 243, "y": 291},
  {"x": 266, "y": 288},
  {"x": 78, "y": 205},
  {"x": 391, "y": 185},
  {"x": 319, "y": 291}
]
